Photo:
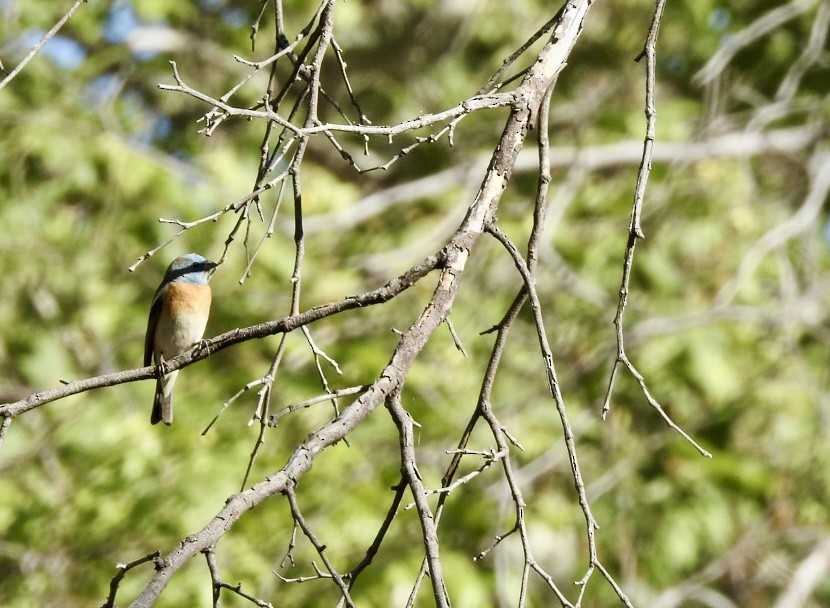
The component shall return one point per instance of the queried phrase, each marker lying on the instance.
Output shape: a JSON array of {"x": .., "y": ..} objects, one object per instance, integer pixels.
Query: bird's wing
[{"x": 152, "y": 322}]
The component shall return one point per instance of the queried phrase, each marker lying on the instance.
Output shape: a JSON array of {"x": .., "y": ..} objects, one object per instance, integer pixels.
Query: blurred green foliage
[{"x": 94, "y": 154}]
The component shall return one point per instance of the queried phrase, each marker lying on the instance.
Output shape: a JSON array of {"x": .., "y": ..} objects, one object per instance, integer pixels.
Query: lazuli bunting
[{"x": 178, "y": 317}]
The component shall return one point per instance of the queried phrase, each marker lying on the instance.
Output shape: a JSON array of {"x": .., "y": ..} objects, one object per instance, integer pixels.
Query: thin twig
[
  {"x": 635, "y": 233},
  {"x": 553, "y": 385},
  {"x": 488, "y": 86},
  {"x": 320, "y": 547},
  {"x": 263, "y": 406},
  {"x": 234, "y": 397},
  {"x": 289, "y": 550},
  {"x": 40, "y": 43},
  {"x": 122, "y": 571},
  {"x": 341, "y": 62},
  {"x": 273, "y": 419},
  {"x": 218, "y": 584},
  {"x": 409, "y": 472},
  {"x": 455, "y": 338},
  {"x": 490, "y": 457},
  {"x": 372, "y": 551},
  {"x": 478, "y": 102},
  {"x": 4, "y": 427}
]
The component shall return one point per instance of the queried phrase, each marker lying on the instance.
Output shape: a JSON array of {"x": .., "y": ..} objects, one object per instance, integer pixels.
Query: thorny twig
[
  {"x": 635, "y": 232},
  {"x": 318, "y": 546},
  {"x": 218, "y": 584},
  {"x": 409, "y": 472},
  {"x": 570, "y": 443},
  {"x": 122, "y": 571},
  {"x": 475, "y": 103}
]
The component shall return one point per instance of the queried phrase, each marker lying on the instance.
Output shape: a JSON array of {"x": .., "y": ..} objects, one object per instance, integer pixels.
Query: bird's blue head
[{"x": 189, "y": 268}]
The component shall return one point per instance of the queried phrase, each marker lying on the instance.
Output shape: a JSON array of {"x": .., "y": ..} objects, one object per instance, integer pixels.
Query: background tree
[{"x": 343, "y": 159}]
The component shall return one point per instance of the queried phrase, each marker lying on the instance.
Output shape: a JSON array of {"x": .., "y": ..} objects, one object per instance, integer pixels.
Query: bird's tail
[{"x": 163, "y": 401}]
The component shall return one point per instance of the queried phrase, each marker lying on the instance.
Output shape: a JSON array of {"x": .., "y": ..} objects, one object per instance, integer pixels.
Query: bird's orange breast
[
  {"x": 187, "y": 298},
  {"x": 183, "y": 318}
]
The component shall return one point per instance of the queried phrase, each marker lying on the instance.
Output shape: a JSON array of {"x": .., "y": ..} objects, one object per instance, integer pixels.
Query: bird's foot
[
  {"x": 161, "y": 367},
  {"x": 200, "y": 346}
]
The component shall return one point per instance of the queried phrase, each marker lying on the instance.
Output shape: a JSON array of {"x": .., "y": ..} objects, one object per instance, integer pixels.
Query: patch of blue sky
[
  {"x": 104, "y": 89},
  {"x": 212, "y": 5},
  {"x": 63, "y": 51},
  {"x": 719, "y": 19},
  {"x": 121, "y": 21},
  {"x": 235, "y": 17}
]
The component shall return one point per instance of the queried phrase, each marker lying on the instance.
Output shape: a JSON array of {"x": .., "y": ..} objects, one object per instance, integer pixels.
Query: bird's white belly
[{"x": 176, "y": 336}]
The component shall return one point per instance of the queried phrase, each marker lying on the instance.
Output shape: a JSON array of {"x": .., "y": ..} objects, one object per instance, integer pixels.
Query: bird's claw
[
  {"x": 201, "y": 345},
  {"x": 161, "y": 367}
]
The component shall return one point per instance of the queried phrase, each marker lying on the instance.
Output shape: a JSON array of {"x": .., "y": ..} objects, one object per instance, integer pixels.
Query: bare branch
[
  {"x": 384, "y": 528},
  {"x": 635, "y": 232},
  {"x": 4, "y": 428},
  {"x": 41, "y": 43},
  {"x": 235, "y": 336},
  {"x": 318, "y": 546},
  {"x": 410, "y": 475},
  {"x": 274, "y": 419},
  {"x": 122, "y": 571},
  {"x": 218, "y": 584},
  {"x": 553, "y": 385},
  {"x": 478, "y": 102}
]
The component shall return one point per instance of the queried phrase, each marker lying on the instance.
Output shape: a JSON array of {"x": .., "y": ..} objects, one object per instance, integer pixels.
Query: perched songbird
[{"x": 177, "y": 322}]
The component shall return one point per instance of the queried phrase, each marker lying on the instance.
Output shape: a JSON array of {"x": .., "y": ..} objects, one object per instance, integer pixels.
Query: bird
[{"x": 178, "y": 317}]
